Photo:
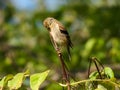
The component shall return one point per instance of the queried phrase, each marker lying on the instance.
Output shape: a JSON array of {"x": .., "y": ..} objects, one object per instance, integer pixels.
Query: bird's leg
[{"x": 58, "y": 50}]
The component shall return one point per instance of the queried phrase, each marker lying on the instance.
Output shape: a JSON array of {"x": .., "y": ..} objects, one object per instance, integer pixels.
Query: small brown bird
[{"x": 58, "y": 33}]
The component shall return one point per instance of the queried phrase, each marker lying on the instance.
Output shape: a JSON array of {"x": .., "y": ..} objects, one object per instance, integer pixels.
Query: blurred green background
[{"x": 94, "y": 27}]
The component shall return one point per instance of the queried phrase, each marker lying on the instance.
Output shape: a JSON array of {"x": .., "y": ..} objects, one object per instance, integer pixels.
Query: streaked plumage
[{"x": 58, "y": 33}]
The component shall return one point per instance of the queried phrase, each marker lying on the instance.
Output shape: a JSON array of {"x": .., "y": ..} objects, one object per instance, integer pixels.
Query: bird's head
[{"x": 47, "y": 22}]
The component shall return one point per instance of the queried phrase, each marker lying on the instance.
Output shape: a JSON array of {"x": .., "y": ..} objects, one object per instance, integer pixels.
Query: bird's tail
[
  {"x": 69, "y": 53},
  {"x": 69, "y": 46}
]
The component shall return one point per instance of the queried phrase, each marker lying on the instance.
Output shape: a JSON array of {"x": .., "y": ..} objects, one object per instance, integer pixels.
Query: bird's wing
[
  {"x": 64, "y": 31},
  {"x": 69, "y": 43}
]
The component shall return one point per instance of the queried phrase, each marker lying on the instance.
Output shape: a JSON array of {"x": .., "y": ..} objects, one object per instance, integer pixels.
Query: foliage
[
  {"x": 95, "y": 83},
  {"x": 37, "y": 79},
  {"x": 11, "y": 82}
]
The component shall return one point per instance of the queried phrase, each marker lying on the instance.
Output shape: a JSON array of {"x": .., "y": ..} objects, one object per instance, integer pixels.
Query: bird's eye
[{"x": 48, "y": 28}]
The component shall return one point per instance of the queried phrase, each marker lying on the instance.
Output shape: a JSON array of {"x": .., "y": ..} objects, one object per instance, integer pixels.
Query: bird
[{"x": 58, "y": 34}]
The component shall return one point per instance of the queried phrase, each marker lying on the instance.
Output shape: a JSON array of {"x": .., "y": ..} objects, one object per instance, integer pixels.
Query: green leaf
[
  {"x": 88, "y": 85},
  {"x": 16, "y": 82},
  {"x": 100, "y": 87},
  {"x": 27, "y": 73},
  {"x": 4, "y": 81},
  {"x": 109, "y": 72},
  {"x": 93, "y": 75},
  {"x": 37, "y": 79}
]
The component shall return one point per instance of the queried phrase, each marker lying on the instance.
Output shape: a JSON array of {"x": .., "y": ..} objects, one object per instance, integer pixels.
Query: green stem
[{"x": 98, "y": 80}]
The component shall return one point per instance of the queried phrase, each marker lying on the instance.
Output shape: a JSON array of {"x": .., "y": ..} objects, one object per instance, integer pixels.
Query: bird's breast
[{"x": 58, "y": 37}]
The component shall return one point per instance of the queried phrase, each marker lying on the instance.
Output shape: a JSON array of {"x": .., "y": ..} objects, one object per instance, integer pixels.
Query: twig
[
  {"x": 98, "y": 69},
  {"x": 65, "y": 74},
  {"x": 95, "y": 60},
  {"x": 98, "y": 80}
]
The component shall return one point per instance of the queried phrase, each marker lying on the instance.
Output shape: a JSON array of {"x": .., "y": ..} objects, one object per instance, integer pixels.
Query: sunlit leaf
[
  {"x": 5, "y": 80},
  {"x": 27, "y": 72},
  {"x": 2, "y": 83},
  {"x": 109, "y": 72},
  {"x": 16, "y": 82},
  {"x": 100, "y": 87},
  {"x": 93, "y": 75},
  {"x": 37, "y": 79},
  {"x": 89, "y": 85}
]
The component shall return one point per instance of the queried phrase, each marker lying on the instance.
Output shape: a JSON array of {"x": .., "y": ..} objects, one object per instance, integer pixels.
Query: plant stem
[
  {"x": 98, "y": 80},
  {"x": 65, "y": 74}
]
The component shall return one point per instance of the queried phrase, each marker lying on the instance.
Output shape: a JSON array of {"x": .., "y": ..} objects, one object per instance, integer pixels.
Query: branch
[
  {"x": 98, "y": 80},
  {"x": 65, "y": 74}
]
